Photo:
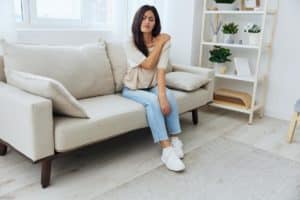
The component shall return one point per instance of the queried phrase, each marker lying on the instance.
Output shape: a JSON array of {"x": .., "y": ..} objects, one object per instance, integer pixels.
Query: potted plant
[
  {"x": 219, "y": 56},
  {"x": 225, "y": 4},
  {"x": 253, "y": 31},
  {"x": 229, "y": 30}
]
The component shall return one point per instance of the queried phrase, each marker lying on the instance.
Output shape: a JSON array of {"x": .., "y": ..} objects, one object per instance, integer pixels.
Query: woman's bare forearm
[
  {"x": 161, "y": 83},
  {"x": 151, "y": 61}
]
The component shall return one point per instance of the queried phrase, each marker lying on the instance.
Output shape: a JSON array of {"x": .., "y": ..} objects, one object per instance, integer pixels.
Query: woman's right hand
[{"x": 162, "y": 38}]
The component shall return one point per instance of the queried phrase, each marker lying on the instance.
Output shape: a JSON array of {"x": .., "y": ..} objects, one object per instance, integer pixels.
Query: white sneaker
[
  {"x": 170, "y": 159},
  {"x": 178, "y": 147}
]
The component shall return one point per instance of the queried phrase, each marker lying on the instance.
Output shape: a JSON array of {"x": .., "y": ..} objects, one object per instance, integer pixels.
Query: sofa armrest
[
  {"x": 208, "y": 73},
  {"x": 26, "y": 122}
]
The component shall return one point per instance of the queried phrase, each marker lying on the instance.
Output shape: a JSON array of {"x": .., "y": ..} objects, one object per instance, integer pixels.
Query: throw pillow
[
  {"x": 185, "y": 81},
  {"x": 63, "y": 102}
]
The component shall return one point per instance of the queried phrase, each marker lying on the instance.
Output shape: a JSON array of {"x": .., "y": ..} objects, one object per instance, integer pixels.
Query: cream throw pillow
[
  {"x": 63, "y": 102},
  {"x": 185, "y": 81}
]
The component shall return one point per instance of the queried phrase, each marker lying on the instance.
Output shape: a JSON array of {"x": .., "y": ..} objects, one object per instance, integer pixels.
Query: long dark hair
[{"x": 136, "y": 27}]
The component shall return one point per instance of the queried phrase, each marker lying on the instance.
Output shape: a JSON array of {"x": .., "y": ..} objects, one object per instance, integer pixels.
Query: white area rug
[{"x": 220, "y": 170}]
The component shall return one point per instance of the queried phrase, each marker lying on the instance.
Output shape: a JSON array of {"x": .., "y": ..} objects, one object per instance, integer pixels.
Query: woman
[{"x": 147, "y": 56}]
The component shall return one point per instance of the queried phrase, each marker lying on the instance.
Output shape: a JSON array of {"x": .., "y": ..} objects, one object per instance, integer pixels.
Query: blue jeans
[{"x": 160, "y": 125}]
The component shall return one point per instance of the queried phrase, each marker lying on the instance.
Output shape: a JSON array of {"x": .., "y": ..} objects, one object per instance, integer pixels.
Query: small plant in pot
[
  {"x": 219, "y": 56},
  {"x": 229, "y": 30},
  {"x": 253, "y": 31},
  {"x": 225, "y": 4}
]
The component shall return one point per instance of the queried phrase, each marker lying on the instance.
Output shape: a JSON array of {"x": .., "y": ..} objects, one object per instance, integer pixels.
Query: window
[
  {"x": 63, "y": 13},
  {"x": 73, "y": 14},
  {"x": 58, "y": 9}
]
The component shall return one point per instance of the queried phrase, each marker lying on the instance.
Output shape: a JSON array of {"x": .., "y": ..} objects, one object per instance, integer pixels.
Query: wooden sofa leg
[
  {"x": 195, "y": 116},
  {"x": 3, "y": 149},
  {"x": 46, "y": 173}
]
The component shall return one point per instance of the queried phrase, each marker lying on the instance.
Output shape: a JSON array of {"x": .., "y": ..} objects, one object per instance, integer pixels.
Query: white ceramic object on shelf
[
  {"x": 220, "y": 68},
  {"x": 229, "y": 38},
  {"x": 226, "y": 6},
  {"x": 215, "y": 38},
  {"x": 254, "y": 38}
]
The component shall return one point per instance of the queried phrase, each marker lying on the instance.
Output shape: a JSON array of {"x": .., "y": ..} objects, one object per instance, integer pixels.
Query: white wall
[
  {"x": 179, "y": 23},
  {"x": 284, "y": 78}
]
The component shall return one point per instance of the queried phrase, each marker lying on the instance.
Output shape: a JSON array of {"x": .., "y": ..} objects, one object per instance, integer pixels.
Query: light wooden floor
[{"x": 99, "y": 169}]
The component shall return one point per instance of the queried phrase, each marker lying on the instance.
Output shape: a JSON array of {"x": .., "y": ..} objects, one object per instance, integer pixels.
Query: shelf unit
[{"x": 256, "y": 79}]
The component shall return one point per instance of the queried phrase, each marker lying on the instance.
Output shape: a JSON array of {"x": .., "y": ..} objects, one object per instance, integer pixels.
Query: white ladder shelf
[{"x": 256, "y": 78}]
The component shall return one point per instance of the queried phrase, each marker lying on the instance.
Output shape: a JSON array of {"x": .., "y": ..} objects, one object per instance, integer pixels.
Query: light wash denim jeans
[{"x": 160, "y": 125}]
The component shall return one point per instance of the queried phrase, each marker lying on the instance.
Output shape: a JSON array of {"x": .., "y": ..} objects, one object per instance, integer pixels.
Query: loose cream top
[{"x": 137, "y": 77}]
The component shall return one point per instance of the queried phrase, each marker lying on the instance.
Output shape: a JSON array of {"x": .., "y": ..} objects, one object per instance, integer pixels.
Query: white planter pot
[
  {"x": 254, "y": 38},
  {"x": 225, "y": 6},
  {"x": 215, "y": 38},
  {"x": 229, "y": 38},
  {"x": 220, "y": 68}
]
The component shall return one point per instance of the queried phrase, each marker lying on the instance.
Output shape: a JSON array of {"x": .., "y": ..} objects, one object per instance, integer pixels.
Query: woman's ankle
[{"x": 165, "y": 143}]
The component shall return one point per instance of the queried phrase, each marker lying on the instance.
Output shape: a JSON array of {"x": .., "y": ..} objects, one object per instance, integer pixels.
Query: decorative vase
[
  {"x": 254, "y": 38},
  {"x": 220, "y": 68},
  {"x": 225, "y": 6},
  {"x": 228, "y": 38},
  {"x": 215, "y": 38}
]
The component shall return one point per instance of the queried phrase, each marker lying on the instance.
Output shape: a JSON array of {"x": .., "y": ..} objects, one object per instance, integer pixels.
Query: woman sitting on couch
[{"x": 147, "y": 56}]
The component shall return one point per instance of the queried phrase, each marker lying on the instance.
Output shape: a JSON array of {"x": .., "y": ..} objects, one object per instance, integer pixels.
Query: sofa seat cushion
[
  {"x": 110, "y": 115},
  {"x": 113, "y": 115},
  {"x": 84, "y": 70},
  {"x": 187, "y": 101}
]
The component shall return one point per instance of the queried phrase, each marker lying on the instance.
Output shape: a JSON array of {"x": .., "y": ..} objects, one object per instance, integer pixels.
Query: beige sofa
[{"x": 27, "y": 122}]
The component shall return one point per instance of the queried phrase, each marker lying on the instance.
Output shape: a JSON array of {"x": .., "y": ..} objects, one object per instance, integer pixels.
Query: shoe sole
[{"x": 179, "y": 171}]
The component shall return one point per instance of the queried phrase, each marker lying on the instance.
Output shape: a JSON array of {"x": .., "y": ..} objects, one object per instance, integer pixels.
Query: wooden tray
[{"x": 232, "y": 98}]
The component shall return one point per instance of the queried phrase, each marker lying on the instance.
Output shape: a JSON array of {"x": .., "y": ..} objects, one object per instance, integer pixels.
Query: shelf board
[
  {"x": 227, "y": 107},
  {"x": 235, "y": 12},
  {"x": 235, "y": 107},
  {"x": 243, "y": 46},
  {"x": 240, "y": 12},
  {"x": 235, "y": 77}
]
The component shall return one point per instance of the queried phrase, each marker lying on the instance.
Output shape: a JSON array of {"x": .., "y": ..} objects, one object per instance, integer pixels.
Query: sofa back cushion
[
  {"x": 117, "y": 57},
  {"x": 84, "y": 70}
]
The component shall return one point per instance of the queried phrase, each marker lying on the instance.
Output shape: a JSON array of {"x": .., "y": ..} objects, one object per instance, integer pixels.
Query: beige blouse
[{"x": 137, "y": 77}]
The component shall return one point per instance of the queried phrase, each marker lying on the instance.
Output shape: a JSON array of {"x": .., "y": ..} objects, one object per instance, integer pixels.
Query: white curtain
[
  {"x": 119, "y": 19},
  {"x": 7, "y": 21}
]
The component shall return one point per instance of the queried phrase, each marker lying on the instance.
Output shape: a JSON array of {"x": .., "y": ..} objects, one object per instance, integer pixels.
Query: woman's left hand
[{"x": 164, "y": 105}]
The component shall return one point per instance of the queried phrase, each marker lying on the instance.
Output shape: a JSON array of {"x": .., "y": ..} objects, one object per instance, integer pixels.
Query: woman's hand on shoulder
[{"x": 162, "y": 38}]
